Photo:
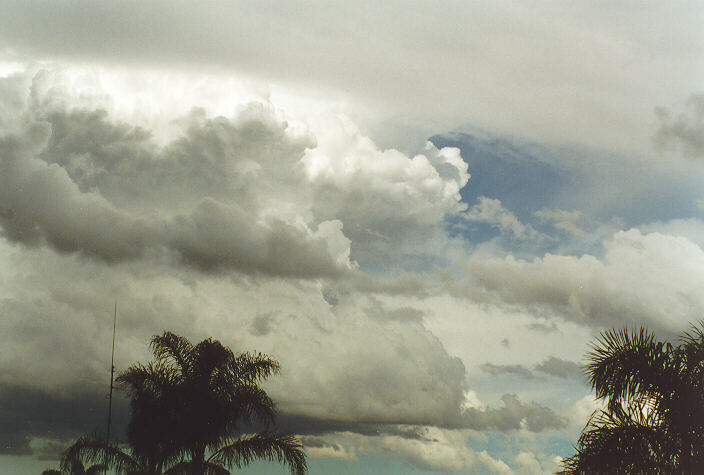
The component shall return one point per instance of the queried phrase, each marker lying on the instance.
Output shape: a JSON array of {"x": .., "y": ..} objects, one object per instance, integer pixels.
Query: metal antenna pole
[{"x": 112, "y": 373}]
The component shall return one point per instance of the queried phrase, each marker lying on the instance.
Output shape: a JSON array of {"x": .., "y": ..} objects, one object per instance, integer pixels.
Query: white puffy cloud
[
  {"x": 562, "y": 219},
  {"x": 530, "y": 464},
  {"x": 490, "y": 211},
  {"x": 388, "y": 201},
  {"x": 438, "y": 450},
  {"x": 651, "y": 279},
  {"x": 251, "y": 193}
]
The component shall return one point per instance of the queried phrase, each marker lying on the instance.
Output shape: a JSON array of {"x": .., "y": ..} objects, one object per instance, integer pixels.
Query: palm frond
[
  {"x": 169, "y": 347},
  {"x": 93, "y": 449},
  {"x": 253, "y": 367},
  {"x": 654, "y": 416},
  {"x": 210, "y": 355},
  {"x": 285, "y": 449},
  {"x": 692, "y": 352},
  {"x": 622, "y": 364},
  {"x": 615, "y": 443},
  {"x": 251, "y": 403},
  {"x": 150, "y": 378},
  {"x": 97, "y": 469}
]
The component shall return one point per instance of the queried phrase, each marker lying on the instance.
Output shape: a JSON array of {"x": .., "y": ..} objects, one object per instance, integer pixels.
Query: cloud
[
  {"x": 360, "y": 361},
  {"x": 561, "y": 219},
  {"x": 653, "y": 279},
  {"x": 364, "y": 56},
  {"x": 222, "y": 224},
  {"x": 360, "y": 367},
  {"x": 560, "y": 368},
  {"x": 250, "y": 193},
  {"x": 514, "y": 415},
  {"x": 78, "y": 183},
  {"x": 441, "y": 450},
  {"x": 552, "y": 366},
  {"x": 29, "y": 414},
  {"x": 510, "y": 370},
  {"x": 490, "y": 211},
  {"x": 317, "y": 447},
  {"x": 582, "y": 409},
  {"x": 683, "y": 131},
  {"x": 391, "y": 204},
  {"x": 261, "y": 324},
  {"x": 542, "y": 327},
  {"x": 528, "y": 463}
]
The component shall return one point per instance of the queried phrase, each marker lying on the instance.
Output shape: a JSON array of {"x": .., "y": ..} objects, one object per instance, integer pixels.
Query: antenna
[{"x": 112, "y": 373}]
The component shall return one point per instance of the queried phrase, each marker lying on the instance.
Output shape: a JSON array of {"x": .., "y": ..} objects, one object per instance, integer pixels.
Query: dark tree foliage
[
  {"x": 72, "y": 464},
  {"x": 93, "y": 449},
  {"x": 186, "y": 406},
  {"x": 190, "y": 400},
  {"x": 653, "y": 421}
]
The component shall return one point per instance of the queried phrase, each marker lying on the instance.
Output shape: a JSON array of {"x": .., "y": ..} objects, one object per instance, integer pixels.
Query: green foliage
[{"x": 653, "y": 421}]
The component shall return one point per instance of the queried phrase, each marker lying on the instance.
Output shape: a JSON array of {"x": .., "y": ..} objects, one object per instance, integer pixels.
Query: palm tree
[
  {"x": 93, "y": 448},
  {"x": 72, "y": 464},
  {"x": 653, "y": 421},
  {"x": 188, "y": 404}
]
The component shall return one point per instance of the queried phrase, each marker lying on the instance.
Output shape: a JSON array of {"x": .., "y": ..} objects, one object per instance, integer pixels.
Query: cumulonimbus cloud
[{"x": 248, "y": 193}]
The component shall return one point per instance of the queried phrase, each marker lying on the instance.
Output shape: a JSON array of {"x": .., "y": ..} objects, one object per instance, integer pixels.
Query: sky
[{"x": 425, "y": 211}]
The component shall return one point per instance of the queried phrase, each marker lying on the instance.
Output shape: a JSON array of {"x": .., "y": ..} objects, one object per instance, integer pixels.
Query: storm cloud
[{"x": 248, "y": 193}]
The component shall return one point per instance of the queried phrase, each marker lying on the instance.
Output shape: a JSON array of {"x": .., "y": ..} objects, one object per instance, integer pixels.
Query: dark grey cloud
[
  {"x": 552, "y": 366},
  {"x": 261, "y": 324},
  {"x": 560, "y": 368},
  {"x": 513, "y": 415},
  {"x": 309, "y": 441},
  {"x": 79, "y": 183},
  {"x": 510, "y": 370},
  {"x": 683, "y": 130},
  {"x": 28, "y": 413},
  {"x": 542, "y": 327},
  {"x": 311, "y": 426}
]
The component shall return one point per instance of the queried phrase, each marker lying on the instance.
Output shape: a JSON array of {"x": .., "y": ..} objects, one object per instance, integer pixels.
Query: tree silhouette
[
  {"x": 93, "y": 448},
  {"x": 72, "y": 464},
  {"x": 653, "y": 421},
  {"x": 189, "y": 401}
]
